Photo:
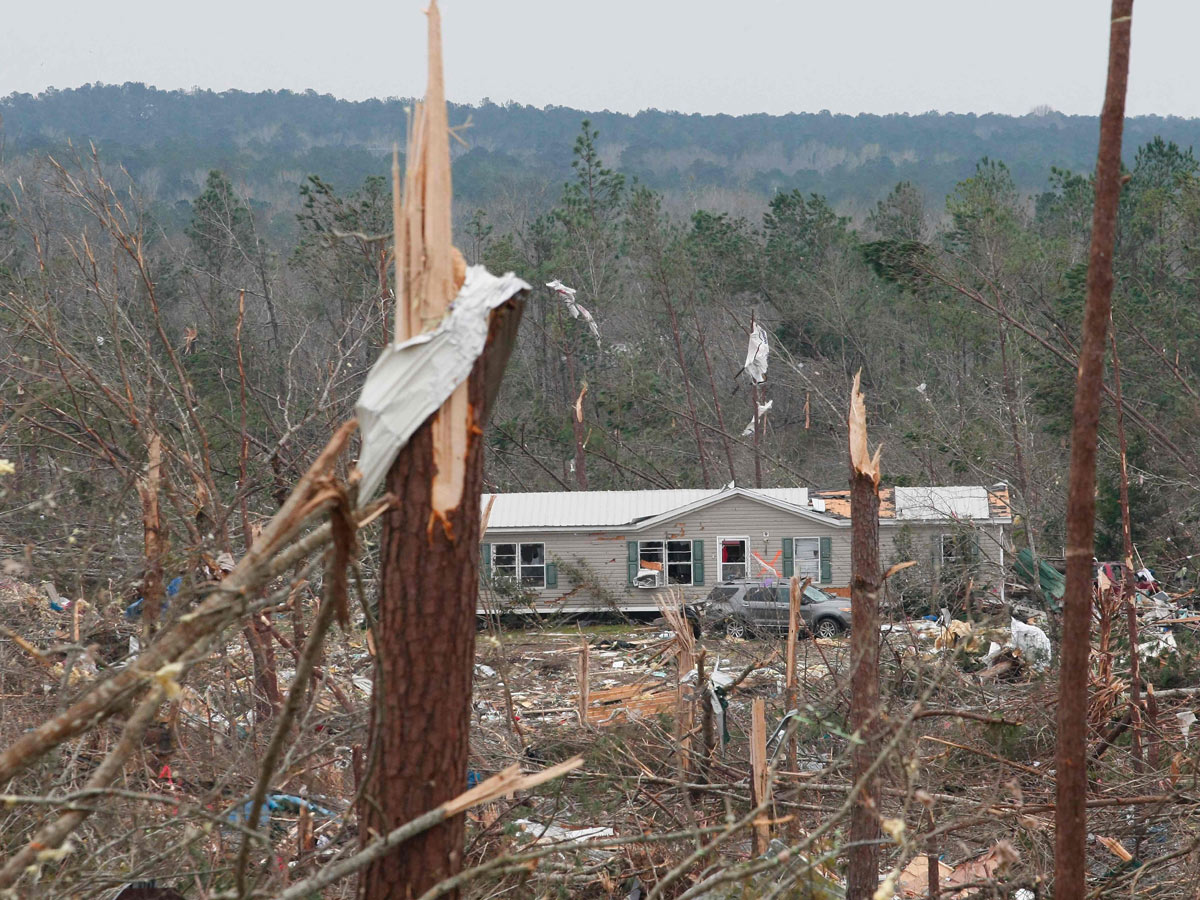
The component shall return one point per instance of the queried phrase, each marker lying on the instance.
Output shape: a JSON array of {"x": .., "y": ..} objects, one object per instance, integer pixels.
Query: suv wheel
[
  {"x": 735, "y": 628},
  {"x": 827, "y": 629}
]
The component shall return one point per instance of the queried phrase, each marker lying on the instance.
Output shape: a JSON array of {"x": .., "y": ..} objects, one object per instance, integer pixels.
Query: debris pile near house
[{"x": 642, "y": 703}]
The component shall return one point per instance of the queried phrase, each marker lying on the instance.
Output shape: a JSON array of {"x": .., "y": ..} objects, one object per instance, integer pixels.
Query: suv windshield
[{"x": 811, "y": 594}]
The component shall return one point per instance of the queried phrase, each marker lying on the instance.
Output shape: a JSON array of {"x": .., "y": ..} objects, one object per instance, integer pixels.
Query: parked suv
[{"x": 738, "y": 607}]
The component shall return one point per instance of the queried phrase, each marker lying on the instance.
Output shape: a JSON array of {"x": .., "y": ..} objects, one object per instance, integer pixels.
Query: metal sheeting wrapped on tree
[{"x": 411, "y": 380}]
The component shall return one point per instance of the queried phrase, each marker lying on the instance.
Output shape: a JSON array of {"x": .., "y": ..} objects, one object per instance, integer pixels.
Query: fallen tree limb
[
  {"x": 46, "y": 844},
  {"x": 966, "y": 714},
  {"x": 505, "y": 782}
]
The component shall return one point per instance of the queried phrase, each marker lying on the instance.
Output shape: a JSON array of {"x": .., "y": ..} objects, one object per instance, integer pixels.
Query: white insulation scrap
[
  {"x": 411, "y": 381},
  {"x": 574, "y": 307},
  {"x": 763, "y": 409},
  {"x": 757, "y": 354}
]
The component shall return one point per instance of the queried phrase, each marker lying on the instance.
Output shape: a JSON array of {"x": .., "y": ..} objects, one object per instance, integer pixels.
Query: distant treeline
[{"x": 269, "y": 141}]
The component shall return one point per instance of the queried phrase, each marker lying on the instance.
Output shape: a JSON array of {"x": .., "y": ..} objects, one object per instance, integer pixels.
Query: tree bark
[
  {"x": 268, "y": 699},
  {"x": 687, "y": 386},
  {"x": 577, "y": 432},
  {"x": 754, "y": 399},
  {"x": 863, "y": 858},
  {"x": 429, "y": 583},
  {"x": 1070, "y": 840},
  {"x": 267, "y": 696},
  {"x": 154, "y": 536},
  {"x": 712, "y": 385}
]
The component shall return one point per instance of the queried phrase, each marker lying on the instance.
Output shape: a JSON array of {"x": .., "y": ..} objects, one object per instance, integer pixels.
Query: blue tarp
[
  {"x": 288, "y": 803},
  {"x": 134, "y": 609}
]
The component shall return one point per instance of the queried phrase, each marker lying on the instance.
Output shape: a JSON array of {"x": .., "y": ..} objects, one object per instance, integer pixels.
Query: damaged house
[{"x": 579, "y": 551}]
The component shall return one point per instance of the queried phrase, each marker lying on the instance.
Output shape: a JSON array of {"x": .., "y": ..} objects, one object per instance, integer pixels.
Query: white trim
[
  {"x": 674, "y": 514},
  {"x": 745, "y": 539}
]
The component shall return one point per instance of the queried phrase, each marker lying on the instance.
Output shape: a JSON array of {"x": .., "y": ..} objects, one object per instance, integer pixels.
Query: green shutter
[
  {"x": 697, "y": 562},
  {"x": 826, "y": 562},
  {"x": 485, "y": 560},
  {"x": 631, "y": 567},
  {"x": 789, "y": 559},
  {"x": 551, "y": 575}
]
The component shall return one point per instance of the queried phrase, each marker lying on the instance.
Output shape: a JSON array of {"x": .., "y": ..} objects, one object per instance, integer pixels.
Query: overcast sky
[{"x": 707, "y": 56}]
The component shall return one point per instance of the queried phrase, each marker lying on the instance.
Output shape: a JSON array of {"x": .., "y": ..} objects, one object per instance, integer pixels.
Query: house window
[
  {"x": 526, "y": 561},
  {"x": 808, "y": 558},
  {"x": 733, "y": 557},
  {"x": 656, "y": 569},
  {"x": 956, "y": 549},
  {"x": 650, "y": 564},
  {"x": 679, "y": 562}
]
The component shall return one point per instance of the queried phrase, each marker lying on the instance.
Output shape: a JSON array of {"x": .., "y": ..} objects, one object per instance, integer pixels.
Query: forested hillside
[
  {"x": 264, "y": 633},
  {"x": 267, "y": 142},
  {"x": 960, "y": 311}
]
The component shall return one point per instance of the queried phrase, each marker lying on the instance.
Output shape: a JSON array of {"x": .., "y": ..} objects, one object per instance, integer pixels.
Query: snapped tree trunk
[
  {"x": 425, "y": 638},
  {"x": 1070, "y": 839},
  {"x": 154, "y": 536},
  {"x": 429, "y": 547},
  {"x": 862, "y": 877}
]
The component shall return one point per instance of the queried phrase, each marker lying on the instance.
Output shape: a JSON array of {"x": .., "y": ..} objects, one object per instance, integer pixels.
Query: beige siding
[
  {"x": 921, "y": 542},
  {"x": 603, "y": 553}
]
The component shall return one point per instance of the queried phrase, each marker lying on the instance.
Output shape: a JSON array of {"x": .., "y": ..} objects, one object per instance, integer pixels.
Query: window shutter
[
  {"x": 551, "y": 575},
  {"x": 697, "y": 562},
  {"x": 485, "y": 560},
  {"x": 826, "y": 562},
  {"x": 631, "y": 568},
  {"x": 789, "y": 559}
]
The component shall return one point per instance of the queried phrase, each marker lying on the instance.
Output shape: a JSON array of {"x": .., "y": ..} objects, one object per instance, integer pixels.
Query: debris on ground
[{"x": 1032, "y": 643}]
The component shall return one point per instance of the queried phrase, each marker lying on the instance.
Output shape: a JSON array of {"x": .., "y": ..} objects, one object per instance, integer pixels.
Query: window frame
[
  {"x": 691, "y": 561},
  {"x": 816, "y": 576},
  {"x": 517, "y": 574},
  {"x": 662, "y": 552},
  {"x": 745, "y": 541},
  {"x": 665, "y": 551},
  {"x": 961, "y": 544}
]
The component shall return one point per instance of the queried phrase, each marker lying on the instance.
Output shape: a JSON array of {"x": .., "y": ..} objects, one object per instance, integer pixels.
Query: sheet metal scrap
[{"x": 411, "y": 380}]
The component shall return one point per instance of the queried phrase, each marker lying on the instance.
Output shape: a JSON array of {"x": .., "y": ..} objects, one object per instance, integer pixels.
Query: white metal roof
[
  {"x": 968, "y": 502},
  {"x": 599, "y": 509}
]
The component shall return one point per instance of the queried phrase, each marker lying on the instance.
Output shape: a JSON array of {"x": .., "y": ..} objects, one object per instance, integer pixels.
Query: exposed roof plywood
[{"x": 837, "y": 503}]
